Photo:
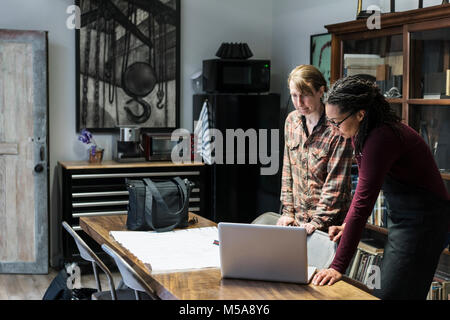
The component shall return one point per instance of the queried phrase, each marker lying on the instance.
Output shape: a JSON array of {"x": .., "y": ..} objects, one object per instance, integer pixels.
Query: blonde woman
[{"x": 316, "y": 184}]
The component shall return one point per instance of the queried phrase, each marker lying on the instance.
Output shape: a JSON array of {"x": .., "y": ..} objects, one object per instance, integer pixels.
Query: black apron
[{"x": 417, "y": 223}]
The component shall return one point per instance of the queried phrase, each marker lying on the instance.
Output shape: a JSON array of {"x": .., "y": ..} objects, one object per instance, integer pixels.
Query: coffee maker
[{"x": 128, "y": 146}]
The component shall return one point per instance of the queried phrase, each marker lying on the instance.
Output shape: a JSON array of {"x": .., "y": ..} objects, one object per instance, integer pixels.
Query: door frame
[{"x": 39, "y": 42}]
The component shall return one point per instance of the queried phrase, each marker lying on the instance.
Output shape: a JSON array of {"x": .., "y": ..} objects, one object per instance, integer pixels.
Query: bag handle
[
  {"x": 152, "y": 191},
  {"x": 159, "y": 199},
  {"x": 185, "y": 193}
]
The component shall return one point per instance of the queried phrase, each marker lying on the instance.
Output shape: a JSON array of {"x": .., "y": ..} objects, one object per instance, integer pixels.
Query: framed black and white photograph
[{"x": 127, "y": 65}]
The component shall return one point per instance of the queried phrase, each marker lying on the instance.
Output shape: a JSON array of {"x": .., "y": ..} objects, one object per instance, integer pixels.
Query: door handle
[
  {"x": 42, "y": 153},
  {"x": 38, "y": 168}
]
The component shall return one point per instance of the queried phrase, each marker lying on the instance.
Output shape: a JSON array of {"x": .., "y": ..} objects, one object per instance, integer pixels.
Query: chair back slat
[
  {"x": 130, "y": 277},
  {"x": 89, "y": 255}
]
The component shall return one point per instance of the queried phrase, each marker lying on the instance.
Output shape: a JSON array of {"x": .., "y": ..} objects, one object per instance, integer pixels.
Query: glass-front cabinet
[
  {"x": 429, "y": 103},
  {"x": 378, "y": 59},
  {"x": 433, "y": 124},
  {"x": 430, "y": 64},
  {"x": 409, "y": 59}
]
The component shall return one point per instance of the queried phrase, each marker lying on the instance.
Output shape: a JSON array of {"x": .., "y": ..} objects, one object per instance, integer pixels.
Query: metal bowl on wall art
[
  {"x": 138, "y": 81},
  {"x": 127, "y": 65}
]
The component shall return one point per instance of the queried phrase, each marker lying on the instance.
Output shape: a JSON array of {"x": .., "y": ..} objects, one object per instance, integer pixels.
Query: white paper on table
[{"x": 174, "y": 250}]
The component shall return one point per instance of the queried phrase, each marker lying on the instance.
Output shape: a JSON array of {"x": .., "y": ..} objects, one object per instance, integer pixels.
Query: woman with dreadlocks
[{"x": 393, "y": 157}]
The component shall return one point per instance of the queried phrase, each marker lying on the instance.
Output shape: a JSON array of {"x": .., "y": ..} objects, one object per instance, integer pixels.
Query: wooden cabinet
[
  {"x": 99, "y": 189},
  {"x": 411, "y": 52}
]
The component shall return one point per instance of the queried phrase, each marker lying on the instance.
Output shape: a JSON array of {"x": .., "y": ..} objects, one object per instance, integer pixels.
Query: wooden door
[{"x": 23, "y": 152}]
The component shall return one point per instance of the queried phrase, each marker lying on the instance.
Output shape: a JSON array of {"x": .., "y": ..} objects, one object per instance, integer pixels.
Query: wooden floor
[{"x": 33, "y": 287}]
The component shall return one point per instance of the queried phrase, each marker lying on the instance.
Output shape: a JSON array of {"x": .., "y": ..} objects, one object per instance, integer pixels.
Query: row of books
[
  {"x": 354, "y": 179},
  {"x": 366, "y": 262},
  {"x": 379, "y": 212},
  {"x": 440, "y": 287},
  {"x": 439, "y": 291},
  {"x": 368, "y": 258}
]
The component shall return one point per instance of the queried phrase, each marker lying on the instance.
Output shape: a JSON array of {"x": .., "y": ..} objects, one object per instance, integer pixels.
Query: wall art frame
[
  {"x": 128, "y": 65},
  {"x": 320, "y": 54}
]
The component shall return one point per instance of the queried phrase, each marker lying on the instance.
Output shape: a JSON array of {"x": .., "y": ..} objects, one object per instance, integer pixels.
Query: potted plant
[{"x": 95, "y": 152}]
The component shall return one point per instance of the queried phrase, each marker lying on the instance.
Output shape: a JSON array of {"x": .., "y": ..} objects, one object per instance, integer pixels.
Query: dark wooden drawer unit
[{"x": 99, "y": 189}]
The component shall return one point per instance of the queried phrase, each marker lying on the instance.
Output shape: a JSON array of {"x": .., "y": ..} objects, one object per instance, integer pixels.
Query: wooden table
[{"x": 207, "y": 284}]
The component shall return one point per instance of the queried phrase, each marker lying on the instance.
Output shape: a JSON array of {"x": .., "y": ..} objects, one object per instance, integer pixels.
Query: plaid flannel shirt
[{"x": 316, "y": 181}]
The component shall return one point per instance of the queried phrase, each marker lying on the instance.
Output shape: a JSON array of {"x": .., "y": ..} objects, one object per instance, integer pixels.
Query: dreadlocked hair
[{"x": 351, "y": 94}]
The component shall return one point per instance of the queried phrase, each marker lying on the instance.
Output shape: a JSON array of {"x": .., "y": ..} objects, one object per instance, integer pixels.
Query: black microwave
[{"x": 232, "y": 76}]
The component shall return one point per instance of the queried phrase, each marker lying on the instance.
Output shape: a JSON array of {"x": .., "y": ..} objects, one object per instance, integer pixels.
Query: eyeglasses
[{"x": 338, "y": 124}]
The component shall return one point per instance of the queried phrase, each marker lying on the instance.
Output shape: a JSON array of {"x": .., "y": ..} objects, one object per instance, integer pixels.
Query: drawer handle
[
  {"x": 98, "y": 214},
  {"x": 99, "y": 194},
  {"x": 99, "y": 204}
]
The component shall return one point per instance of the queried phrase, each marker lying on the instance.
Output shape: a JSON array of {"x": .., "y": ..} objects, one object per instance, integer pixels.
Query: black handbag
[
  {"x": 58, "y": 290},
  {"x": 159, "y": 204}
]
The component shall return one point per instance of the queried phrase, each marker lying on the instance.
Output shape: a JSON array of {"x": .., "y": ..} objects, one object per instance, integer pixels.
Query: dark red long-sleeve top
[{"x": 409, "y": 161}]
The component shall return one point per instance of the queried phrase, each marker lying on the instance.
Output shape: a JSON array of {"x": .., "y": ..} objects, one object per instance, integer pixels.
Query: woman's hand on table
[{"x": 326, "y": 276}]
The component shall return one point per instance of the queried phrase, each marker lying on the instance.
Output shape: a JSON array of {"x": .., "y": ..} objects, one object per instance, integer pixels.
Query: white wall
[
  {"x": 205, "y": 24},
  {"x": 293, "y": 24}
]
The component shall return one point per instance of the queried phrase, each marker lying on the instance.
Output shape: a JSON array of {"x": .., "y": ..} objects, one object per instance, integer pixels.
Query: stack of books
[
  {"x": 369, "y": 254},
  {"x": 355, "y": 64},
  {"x": 440, "y": 287},
  {"x": 439, "y": 291}
]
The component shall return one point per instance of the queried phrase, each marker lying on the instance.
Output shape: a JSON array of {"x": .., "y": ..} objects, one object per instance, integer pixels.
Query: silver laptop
[{"x": 264, "y": 252}]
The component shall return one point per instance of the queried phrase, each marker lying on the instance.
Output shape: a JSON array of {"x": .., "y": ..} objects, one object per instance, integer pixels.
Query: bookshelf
[
  {"x": 410, "y": 52},
  {"x": 441, "y": 102},
  {"x": 395, "y": 100},
  {"x": 446, "y": 176},
  {"x": 376, "y": 228}
]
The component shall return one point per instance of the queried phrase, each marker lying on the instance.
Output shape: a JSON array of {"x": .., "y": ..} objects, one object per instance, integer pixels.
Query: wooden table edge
[
  {"x": 143, "y": 270},
  {"x": 111, "y": 164}
]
